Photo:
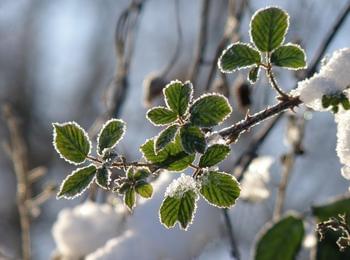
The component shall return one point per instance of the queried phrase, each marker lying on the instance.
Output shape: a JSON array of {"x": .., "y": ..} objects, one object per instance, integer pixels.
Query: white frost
[
  {"x": 254, "y": 184},
  {"x": 334, "y": 77},
  {"x": 81, "y": 230},
  {"x": 180, "y": 186},
  {"x": 343, "y": 142},
  {"x": 147, "y": 239}
]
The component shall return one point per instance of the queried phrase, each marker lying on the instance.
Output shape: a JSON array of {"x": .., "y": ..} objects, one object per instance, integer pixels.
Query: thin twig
[
  {"x": 288, "y": 162},
  {"x": 231, "y": 28},
  {"x": 202, "y": 42},
  {"x": 294, "y": 135},
  {"x": 126, "y": 28},
  {"x": 20, "y": 164},
  {"x": 176, "y": 55}
]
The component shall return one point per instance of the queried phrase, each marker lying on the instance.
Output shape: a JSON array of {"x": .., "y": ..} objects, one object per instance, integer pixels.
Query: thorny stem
[{"x": 232, "y": 132}]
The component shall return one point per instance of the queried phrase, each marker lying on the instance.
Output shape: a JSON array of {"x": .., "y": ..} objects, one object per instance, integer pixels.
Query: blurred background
[{"x": 87, "y": 61}]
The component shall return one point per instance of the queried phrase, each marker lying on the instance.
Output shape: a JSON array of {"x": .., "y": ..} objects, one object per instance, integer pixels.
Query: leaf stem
[{"x": 273, "y": 82}]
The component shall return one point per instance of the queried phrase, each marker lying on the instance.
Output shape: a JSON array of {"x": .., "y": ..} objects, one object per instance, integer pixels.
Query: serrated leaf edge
[
  {"x": 223, "y": 207},
  {"x": 156, "y": 138},
  {"x": 214, "y": 94},
  {"x": 177, "y": 221},
  {"x": 103, "y": 127},
  {"x": 262, "y": 9},
  {"x": 294, "y": 45},
  {"x": 240, "y": 68},
  {"x": 55, "y": 136},
  {"x": 152, "y": 121},
  {"x": 213, "y": 145},
  {"x": 176, "y": 81},
  {"x": 78, "y": 194}
]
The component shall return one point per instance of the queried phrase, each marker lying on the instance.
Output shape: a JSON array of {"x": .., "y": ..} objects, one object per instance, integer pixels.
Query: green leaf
[
  {"x": 77, "y": 182},
  {"x": 178, "y": 209},
  {"x": 238, "y": 56},
  {"x": 281, "y": 241},
  {"x": 210, "y": 110},
  {"x": 130, "y": 198},
  {"x": 161, "y": 116},
  {"x": 165, "y": 137},
  {"x": 103, "y": 177},
  {"x": 268, "y": 28},
  {"x": 219, "y": 189},
  {"x": 172, "y": 157},
  {"x": 192, "y": 139},
  {"x": 213, "y": 155},
  {"x": 112, "y": 131},
  {"x": 253, "y": 74},
  {"x": 327, "y": 248},
  {"x": 122, "y": 188},
  {"x": 290, "y": 56},
  {"x": 71, "y": 142},
  {"x": 144, "y": 189},
  {"x": 178, "y": 96},
  {"x": 141, "y": 174},
  {"x": 340, "y": 205}
]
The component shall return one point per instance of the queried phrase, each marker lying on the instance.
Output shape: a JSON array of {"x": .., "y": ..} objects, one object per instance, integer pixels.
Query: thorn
[{"x": 247, "y": 115}]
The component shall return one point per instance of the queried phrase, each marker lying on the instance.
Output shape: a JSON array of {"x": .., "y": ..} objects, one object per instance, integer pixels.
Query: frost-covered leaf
[
  {"x": 172, "y": 157},
  {"x": 161, "y": 116},
  {"x": 238, "y": 56},
  {"x": 253, "y": 74},
  {"x": 268, "y": 28},
  {"x": 111, "y": 132},
  {"x": 327, "y": 248},
  {"x": 290, "y": 56},
  {"x": 192, "y": 139},
  {"x": 178, "y": 95},
  {"x": 144, "y": 189},
  {"x": 165, "y": 137},
  {"x": 130, "y": 198},
  {"x": 219, "y": 189},
  {"x": 213, "y": 155},
  {"x": 210, "y": 110},
  {"x": 179, "y": 204},
  {"x": 141, "y": 174},
  {"x": 281, "y": 241},
  {"x": 77, "y": 182},
  {"x": 71, "y": 142},
  {"x": 122, "y": 188},
  {"x": 103, "y": 177}
]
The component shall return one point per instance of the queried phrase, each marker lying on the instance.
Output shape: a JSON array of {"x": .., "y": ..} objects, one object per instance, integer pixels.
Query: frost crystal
[
  {"x": 334, "y": 77},
  {"x": 180, "y": 186},
  {"x": 343, "y": 142},
  {"x": 253, "y": 185}
]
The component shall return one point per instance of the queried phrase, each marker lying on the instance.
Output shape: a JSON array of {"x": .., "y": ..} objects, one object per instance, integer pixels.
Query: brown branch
[
  {"x": 232, "y": 133},
  {"x": 19, "y": 160}
]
